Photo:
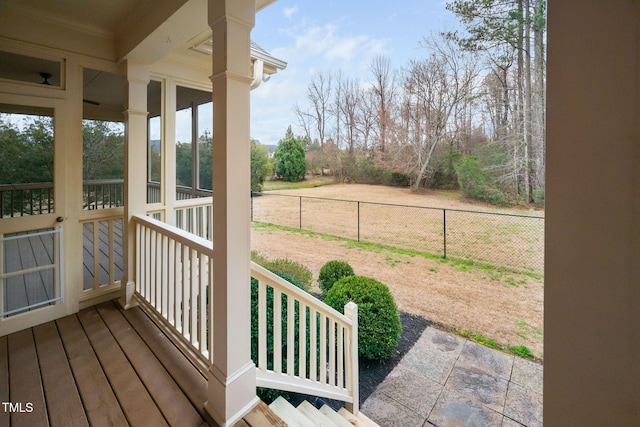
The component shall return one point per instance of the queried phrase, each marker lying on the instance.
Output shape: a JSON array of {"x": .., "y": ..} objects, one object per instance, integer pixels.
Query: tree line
[{"x": 471, "y": 110}]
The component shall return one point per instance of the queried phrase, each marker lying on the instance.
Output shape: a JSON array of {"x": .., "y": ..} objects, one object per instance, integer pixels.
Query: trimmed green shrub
[
  {"x": 331, "y": 272},
  {"x": 293, "y": 268},
  {"x": 379, "y": 324}
]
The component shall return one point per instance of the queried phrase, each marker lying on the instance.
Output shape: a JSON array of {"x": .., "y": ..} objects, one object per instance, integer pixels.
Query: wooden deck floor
[{"x": 103, "y": 366}]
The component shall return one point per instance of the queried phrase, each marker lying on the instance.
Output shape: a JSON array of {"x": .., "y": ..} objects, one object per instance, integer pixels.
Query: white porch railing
[
  {"x": 313, "y": 349},
  {"x": 172, "y": 283},
  {"x": 195, "y": 216}
]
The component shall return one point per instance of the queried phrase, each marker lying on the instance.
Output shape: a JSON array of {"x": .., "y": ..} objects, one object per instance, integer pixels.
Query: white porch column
[
  {"x": 169, "y": 170},
  {"x": 232, "y": 378},
  {"x": 135, "y": 172}
]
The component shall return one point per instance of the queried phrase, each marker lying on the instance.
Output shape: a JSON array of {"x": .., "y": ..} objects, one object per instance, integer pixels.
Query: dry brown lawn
[{"x": 504, "y": 306}]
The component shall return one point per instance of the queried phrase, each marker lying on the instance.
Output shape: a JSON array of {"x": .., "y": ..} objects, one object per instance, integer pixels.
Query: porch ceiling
[{"x": 144, "y": 30}]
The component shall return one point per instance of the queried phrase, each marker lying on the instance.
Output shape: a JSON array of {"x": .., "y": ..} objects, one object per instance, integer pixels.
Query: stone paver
[
  {"x": 486, "y": 359},
  {"x": 410, "y": 388},
  {"x": 454, "y": 409},
  {"x": 445, "y": 380},
  {"x": 527, "y": 374},
  {"x": 434, "y": 354},
  {"x": 508, "y": 422},
  {"x": 524, "y": 405},
  {"x": 479, "y": 386},
  {"x": 387, "y": 412}
]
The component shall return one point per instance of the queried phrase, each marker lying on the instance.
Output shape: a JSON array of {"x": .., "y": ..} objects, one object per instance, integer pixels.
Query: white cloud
[
  {"x": 290, "y": 11},
  {"x": 308, "y": 49},
  {"x": 272, "y": 105},
  {"x": 329, "y": 43}
]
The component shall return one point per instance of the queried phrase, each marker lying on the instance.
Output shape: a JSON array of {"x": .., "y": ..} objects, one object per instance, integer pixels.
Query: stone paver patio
[{"x": 446, "y": 380}]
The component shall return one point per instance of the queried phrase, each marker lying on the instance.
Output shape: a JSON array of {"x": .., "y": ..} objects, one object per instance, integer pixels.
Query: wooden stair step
[
  {"x": 307, "y": 415},
  {"x": 360, "y": 420},
  {"x": 290, "y": 414},
  {"x": 337, "y": 419},
  {"x": 320, "y": 419}
]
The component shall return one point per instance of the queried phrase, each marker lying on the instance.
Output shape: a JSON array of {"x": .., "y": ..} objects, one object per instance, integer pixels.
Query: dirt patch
[{"x": 506, "y": 307}]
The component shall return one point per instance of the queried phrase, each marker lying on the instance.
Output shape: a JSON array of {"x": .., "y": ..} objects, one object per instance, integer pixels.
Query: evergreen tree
[{"x": 290, "y": 158}]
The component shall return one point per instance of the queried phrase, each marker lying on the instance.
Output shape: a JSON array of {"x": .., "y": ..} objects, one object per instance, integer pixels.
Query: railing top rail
[
  {"x": 194, "y": 242},
  {"x": 29, "y": 186},
  {"x": 103, "y": 181},
  {"x": 259, "y": 272},
  {"x": 192, "y": 203},
  {"x": 401, "y": 206}
]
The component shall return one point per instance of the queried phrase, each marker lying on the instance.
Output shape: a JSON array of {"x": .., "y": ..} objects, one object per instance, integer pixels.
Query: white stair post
[{"x": 351, "y": 311}]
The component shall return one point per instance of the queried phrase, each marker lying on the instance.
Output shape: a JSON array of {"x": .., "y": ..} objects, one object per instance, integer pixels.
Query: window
[
  {"x": 26, "y": 161},
  {"x": 194, "y": 124},
  {"x": 27, "y": 69},
  {"x": 103, "y": 140},
  {"x": 154, "y": 142}
]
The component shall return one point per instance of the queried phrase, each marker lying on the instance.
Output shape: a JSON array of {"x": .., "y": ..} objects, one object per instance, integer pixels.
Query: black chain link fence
[{"x": 502, "y": 240}]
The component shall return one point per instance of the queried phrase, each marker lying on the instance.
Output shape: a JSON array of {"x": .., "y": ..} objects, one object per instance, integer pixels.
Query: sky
[{"x": 329, "y": 36}]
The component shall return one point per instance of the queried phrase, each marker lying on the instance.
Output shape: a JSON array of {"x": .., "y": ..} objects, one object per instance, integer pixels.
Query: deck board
[
  {"x": 25, "y": 381},
  {"x": 133, "y": 397},
  {"x": 63, "y": 400},
  {"x": 93, "y": 368},
  {"x": 79, "y": 371},
  {"x": 100, "y": 403},
  {"x": 192, "y": 383},
  {"x": 175, "y": 407},
  {"x": 4, "y": 380}
]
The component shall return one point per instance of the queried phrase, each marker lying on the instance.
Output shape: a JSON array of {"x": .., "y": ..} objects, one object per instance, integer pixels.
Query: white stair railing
[{"x": 304, "y": 345}]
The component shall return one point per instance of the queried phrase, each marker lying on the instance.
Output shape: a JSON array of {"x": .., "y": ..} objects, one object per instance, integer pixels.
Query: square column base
[{"x": 227, "y": 397}]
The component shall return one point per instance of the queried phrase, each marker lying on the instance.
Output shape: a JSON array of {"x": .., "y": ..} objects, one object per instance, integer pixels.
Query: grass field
[
  {"x": 507, "y": 238},
  {"x": 503, "y": 304}
]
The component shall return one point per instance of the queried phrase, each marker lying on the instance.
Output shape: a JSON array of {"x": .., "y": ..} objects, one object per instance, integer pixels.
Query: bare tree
[
  {"x": 367, "y": 114},
  {"x": 434, "y": 88},
  {"x": 319, "y": 95},
  {"x": 350, "y": 99},
  {"x": 383, "y": 88},
  {"x": 306, "y": 120}
]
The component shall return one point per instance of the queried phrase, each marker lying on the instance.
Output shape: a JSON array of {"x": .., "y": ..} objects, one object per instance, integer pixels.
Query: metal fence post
[
  {"x": 444, "y": 230},
  {"x": 300, "y": 212},
  {"x": 358, "y": 221}
]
